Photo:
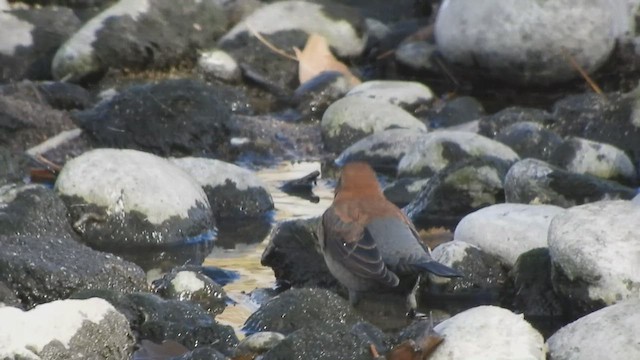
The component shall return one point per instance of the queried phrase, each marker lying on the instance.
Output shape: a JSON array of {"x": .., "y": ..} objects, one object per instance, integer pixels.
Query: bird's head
[{"x": 356, "y": 180}]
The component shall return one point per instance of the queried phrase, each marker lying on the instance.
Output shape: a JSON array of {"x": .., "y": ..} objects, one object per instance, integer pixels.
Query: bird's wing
[{"x": 352, "y": 245}]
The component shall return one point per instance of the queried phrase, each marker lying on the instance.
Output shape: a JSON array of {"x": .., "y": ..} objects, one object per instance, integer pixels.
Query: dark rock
[
  {"x": 8, "y": 297},
  {"x": 58, "y": 95},
  {"x": 456, "y": 111},
  {"x": 491, "y": 125},
  {"x": 186, "y": 285},
  {"x": 404, "y": 190},
  {"x": 219, "y": 275},
  {"x": 13, "y": 166},
  {"x": 315, "y": 95},
  {"x": 203, "y": 353},
  {"x": 232, "y": 232},
  {"x": 529, "y": 140},
  {"x": 173, "y": 117},
  {"x": 258, "y": 343},
  {"x": 45, "y": 268},
  {"x": 302, "y": 187}
]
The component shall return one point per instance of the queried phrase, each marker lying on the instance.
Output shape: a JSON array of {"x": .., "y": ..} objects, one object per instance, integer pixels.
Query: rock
[
  {"x": 530, "y": 140},
  {"x": 314, "y": 96},
  {"x": 441, "y": 148},
  {"x": 416, "y": 55},
  {"x": 488, "y": 332},
  {"x": 605, "y": 161},
  {"x": 382, "y": 150},
  {"x": 532, "y": 181},
  {"x": 484, "y": 278},
  {"x": 192, "y": 286},
  {"x": 137, "y": 34},
  {"x": 45, "y": 268},
  {"x": 491, "y": 125},
  {"x": 409, "y": 95},
  {"x": 66, "y": 329},
  {"x": 32, "y": 210},
  {"x": 173, "y": 117},
  {"x": 258, "y": 343},
  {"x": 508, "y": 230},
  {"x": 203, "y": 353},
  {"x": 295, "y": 309},
  {"x": 120, "y": 199},
  {"x": 30, "y": 38},
  {"x": 454, "y": 112},
  {"x": 13, "y": 166},
  {"x": 294, "y": 255},
  {"x": 457, "y": 190},
  {"x": 402, "y": 191},
  {"x": 533, "y": 50},
  {"x": 606, "y": 333},
  {"x": 595, "y": 255},
  {"x": 353, "y": 118},
  {"x": 233, "y": 192},
  {"x": 8, "y": 297},
  {"x": 59, "y": 95},
  {"x": 217, "y": 64}
]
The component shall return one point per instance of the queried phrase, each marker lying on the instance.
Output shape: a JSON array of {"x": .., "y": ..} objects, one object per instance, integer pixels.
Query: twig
[
  {"x": 374, "y": 351},
  {"x": 43, "y": 160},
  {"x": 269, "y": 45},
  {"x": 572, "y": 61}
]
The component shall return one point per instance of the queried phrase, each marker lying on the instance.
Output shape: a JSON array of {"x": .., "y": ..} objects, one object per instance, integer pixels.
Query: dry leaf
[{"x": 317, "y": 58}]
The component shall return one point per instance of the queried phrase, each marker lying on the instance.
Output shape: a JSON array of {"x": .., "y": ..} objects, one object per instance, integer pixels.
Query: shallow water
[{"x": 245, "y": 258}]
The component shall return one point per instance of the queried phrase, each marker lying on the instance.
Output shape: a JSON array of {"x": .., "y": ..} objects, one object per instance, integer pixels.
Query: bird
[{"x": 369, "y": 244}]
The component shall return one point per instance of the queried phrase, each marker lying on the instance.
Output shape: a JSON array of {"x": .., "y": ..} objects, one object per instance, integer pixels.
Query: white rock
[
  {"x": 400, "y": 93},
  {"x": 128, "y": 180},
  {"x": 598, "y": 243},
  {"x": 187, "y": 281},
  {"x": 488, "y": 332},
  {"x": 609, "y": 333},
  {"x": 15, "y": 33},
  {"x": 211, "y": 172},
  {"x": 387, "y": 144},
  {"x": 507, "y": 230},
  {"x": 525, "y": 41},
  {"x": 219, "y": 64}
]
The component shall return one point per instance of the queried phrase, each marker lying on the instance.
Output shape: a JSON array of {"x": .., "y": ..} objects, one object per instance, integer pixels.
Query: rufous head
[{"x": 358, "y": 178}]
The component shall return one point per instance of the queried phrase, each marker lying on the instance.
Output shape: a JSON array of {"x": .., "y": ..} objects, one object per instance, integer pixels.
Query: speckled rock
[
  {"x": 491, "y": 125},
  {"x": 441, "y": 148},
  {"x": 606, "y": 333},
  {"x": 59, "y": 95},
  {"x": 489, "y": 332},
  {"x": 217, "y": 64},
  {"x": 530, "y": 140},
  {"x": 595, "y": 255},
  {"x": 66, "y": 329},
  {"x": 455, "y": 112},
  {"x": 402, "y": 191},
  {"x": 314, "y": 96},
  {"x": 353, "y": 118},
  {"x": 408, "y": 95},
  {"x": 192, "y": 286},
  {"x": 508, "y": 230},
  {"x": 539, "y": 33},
  {"x": 124, "y": 198},
  {"x": 532, "y": 181},
  {"x": 139, "y": 34},
  {"x": 233, "y": 192},
  {"x": 258, "y": 343}
]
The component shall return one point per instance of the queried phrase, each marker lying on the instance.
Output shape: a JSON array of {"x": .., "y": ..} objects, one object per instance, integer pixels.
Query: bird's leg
[
  {"x": 412, "y": 303},
  {"x": 354, "y": 297}
]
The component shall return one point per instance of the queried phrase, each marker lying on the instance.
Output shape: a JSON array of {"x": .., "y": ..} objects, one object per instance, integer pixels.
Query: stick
[
  {"x": 572, "y": 61},
  {"x": 268, "y": 44}
]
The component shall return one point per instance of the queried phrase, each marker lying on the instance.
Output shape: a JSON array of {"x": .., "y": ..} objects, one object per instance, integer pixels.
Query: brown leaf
[
  {"x": 317, "y": 58},
  {"x": 410, "y": 350}
]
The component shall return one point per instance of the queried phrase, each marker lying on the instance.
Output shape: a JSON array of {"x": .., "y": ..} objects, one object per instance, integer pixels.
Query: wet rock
[
  {"x": 155, "y": 319},
  {"x": 533, "y": 293},
  {"x": 530, "y": 140},
  {"x": 441, "y": 148},
  {"x": 491, "y": 125},
  {"x": 258, "y": 343},
  {"x": 457, "y": 111},
  {"x": 409, "y": 95},
  {"x": 295, "y": 309},
  {"x": 540, "y": 35},
  {"x": 31, "y": 37},
  {"x": 125, "y": 198},
  {"x": 303, "y": 187},
  {"x": 174, "y": 117},
  {"x": 8, "y": 297},
  {"x": 416, "y": 55},
  {"x": 233, "y": 192},
  {"x": 203, "y": 353},
  {"x": 404, "y": 190},
  {"x": 353, "y": 118},
  {"x": 65, "y": 329},
  {"x": 488, "y": 332},
  {"x": 595, "y": 255},
  {"x": 457, "y": 190},
  {"x": 58, "y": 95},
  {"x": 45, "y": 268},
  {"x": 315, "y": 95},
  {"x": 24, "y": 124},
  {"x": 606, "y": 333},
  {"x": 605, "y": 161},
  {"x": 13, "y": 166},
  {"x": 217, "y": 64},
  {"x": 532, "y": 181},
  {"x": 32, "y": 210},
  {"x": 484, "y": 278},
  {"x": 192, "y": 286},
  {"x": 294, "y": 255},
  {"x": 508, "y": 230},
  {"x": 135, "y": 34},
  {"x": 382, "y": 150}
]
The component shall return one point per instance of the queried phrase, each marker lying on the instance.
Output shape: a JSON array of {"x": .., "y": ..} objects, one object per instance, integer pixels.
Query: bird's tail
[{"x": 436, "y": 268}]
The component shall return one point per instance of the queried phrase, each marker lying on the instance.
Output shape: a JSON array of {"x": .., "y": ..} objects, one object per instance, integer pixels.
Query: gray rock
[
  {"x": 507, "y": 230},
  {"x": 192, "y": 286},
  {"x": 8, "y": 297},
  {"x": 59, "y": 95},
  {"x": 455, "y": 113},
  {"x": 314, "y": 96},
  {"x": 137, "y": 34},
  {"x": 233, "y": 192},
  {"x": 125, "y": 198},
  {"x": 530, "y": 140},
  {"x": 491, "y": 125},
  {"x": 217, "y": 64},
  {"x": 259, "y": 343},
  {"x": 532, "y": 50},
  {"x": 45, "y": 268},
  {"x": 353, "y": 118},
  {"x": 595, "y": 255},
  {"x": 441, "y": 148},
  {"x": 532, "y": 181},
  {"x": 416, "y": 55},
  {"x": 402, "y": 191},
  {"x": 408, "y": 95},
  {"x": 606, "y": 333},
  {"x": 13, "y": 166},
  {"x": 66, "y": 329}
]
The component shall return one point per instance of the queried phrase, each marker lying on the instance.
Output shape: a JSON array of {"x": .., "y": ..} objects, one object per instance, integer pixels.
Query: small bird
[{"x": 369, "y": 244}]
